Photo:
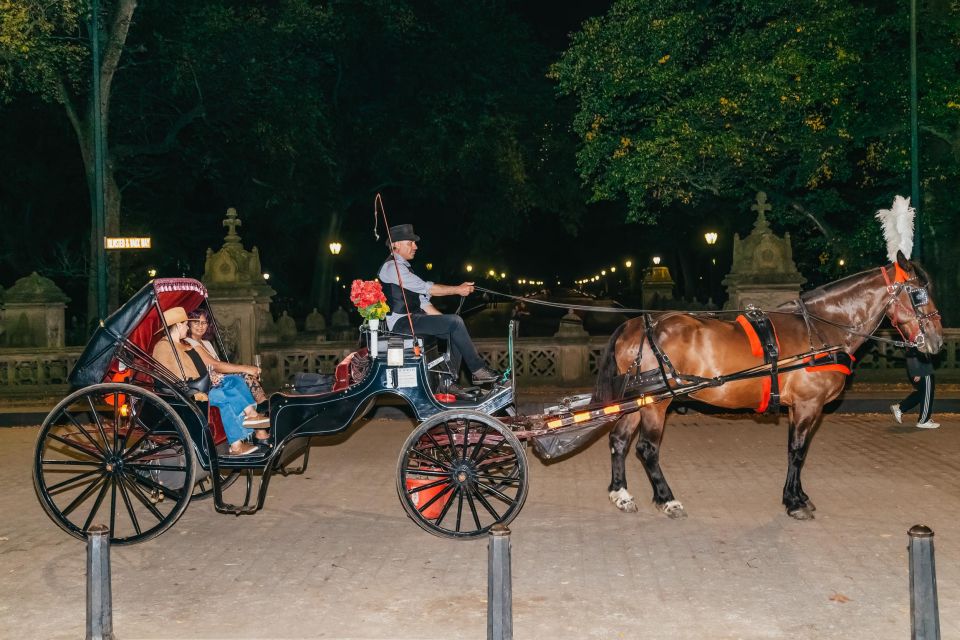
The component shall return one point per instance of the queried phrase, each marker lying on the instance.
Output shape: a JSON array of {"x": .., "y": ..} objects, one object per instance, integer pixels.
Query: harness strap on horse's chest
[
  {"x": 663, "y": 361},
  {"x": 764, "y": 343}
]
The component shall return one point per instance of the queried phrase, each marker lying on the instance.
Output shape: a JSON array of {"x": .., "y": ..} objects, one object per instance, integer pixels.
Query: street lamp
[
  {"x": 335, "y": 248},
  {"x": 710, "y": 237},
  {"x": 469, "y": 268},
  {"x": 152, "y": 272},
  {"x": 656, "y": 259}
]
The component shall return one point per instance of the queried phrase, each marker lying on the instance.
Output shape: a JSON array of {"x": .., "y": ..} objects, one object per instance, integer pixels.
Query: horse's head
[{"x": 911, "y": 308}]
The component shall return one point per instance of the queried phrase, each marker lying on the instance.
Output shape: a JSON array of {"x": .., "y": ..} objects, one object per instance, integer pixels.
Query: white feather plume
[{"x": 897, "y": 222}]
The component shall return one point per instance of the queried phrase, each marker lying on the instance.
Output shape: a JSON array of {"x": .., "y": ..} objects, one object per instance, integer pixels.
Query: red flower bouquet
[{"x": 368, "y": 297}]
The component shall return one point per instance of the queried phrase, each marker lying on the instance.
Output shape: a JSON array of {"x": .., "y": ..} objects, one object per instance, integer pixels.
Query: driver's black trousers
[{"x": 451, "y": 328}]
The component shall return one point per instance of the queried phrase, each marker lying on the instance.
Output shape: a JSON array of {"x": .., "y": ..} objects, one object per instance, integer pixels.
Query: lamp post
[
  {"x": 335, "y": 249},
  {"x": 711, "y": 238}
]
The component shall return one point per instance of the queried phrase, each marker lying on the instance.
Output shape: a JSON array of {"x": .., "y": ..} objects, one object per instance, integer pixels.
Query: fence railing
[{"x": 546, "y": 361}]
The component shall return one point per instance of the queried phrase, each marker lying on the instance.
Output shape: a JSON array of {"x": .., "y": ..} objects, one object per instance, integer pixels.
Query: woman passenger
[{"x": 232, "y": 397}]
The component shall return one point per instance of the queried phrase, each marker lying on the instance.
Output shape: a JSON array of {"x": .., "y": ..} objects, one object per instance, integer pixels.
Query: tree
[{"x": 681, "y": 105}]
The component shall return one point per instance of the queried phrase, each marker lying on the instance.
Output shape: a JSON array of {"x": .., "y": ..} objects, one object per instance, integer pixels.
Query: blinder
[{"x": 918, "y": 296}]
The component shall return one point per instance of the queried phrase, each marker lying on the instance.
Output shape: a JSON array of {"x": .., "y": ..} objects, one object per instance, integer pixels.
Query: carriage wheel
[
  {"x": 118, "y": 455},
  {"x": 460, "y": 473}
]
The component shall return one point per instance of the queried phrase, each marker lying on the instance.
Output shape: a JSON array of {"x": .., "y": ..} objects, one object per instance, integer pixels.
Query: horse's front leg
[
  {"x": 648, "y": 449},
  {"x": 620, "y": 437},
  {"x": 803, "y": 424}
]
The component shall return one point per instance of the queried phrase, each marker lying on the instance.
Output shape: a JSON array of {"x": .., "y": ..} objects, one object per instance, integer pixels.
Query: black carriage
[{"x": 134, "y": 443}]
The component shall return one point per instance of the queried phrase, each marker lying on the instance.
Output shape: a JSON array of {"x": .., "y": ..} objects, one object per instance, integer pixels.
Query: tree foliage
[{"x": 682, "y": 105}]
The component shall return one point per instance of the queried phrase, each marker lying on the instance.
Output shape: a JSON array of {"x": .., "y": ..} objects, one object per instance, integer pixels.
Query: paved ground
[{"x": 334, "y": 556}]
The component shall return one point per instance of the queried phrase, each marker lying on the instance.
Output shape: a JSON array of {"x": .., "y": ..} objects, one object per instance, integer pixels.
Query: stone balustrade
[{"x": 539, "y": 361}]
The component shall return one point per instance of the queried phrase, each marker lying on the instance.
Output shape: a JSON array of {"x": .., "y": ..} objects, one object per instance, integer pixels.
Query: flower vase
[{"x": 374, "y": 326}]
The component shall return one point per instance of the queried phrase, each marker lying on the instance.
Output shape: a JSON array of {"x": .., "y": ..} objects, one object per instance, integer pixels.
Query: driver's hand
[{"x": 465, "y": 289}]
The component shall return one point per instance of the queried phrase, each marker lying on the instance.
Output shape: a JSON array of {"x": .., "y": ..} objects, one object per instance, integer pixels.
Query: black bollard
[
  {"x": 99, "y": 596},
  {"x": 924, "y": 611},
  {"x": 499, "y": 585}
]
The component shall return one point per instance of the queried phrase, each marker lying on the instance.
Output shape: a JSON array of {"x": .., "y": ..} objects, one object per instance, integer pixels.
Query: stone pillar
[
  {"x": 573, "y": 360},
  {"x": 239, "y": 295},
  {"x": 657, "y": 285},
  {"x": 763, "y": 273},
  {"x": 34, "y": 313}
]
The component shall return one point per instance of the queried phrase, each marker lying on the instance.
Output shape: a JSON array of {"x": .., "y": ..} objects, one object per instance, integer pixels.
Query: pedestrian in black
[{"x": 920, "y": 372}]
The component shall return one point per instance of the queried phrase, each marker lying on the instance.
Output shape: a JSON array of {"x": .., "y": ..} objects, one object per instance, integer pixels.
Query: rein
[{"x": 894, "y": 289}]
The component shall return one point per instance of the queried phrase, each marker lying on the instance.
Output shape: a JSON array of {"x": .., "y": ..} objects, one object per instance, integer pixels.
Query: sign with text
[{"x": 126, "y": 243}]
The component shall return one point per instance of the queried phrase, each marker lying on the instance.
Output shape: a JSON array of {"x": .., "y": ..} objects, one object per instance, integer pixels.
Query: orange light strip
[{"x": 609, "y": 410}]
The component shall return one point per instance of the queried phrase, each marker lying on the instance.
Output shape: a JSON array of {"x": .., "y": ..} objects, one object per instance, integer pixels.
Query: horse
[{"x": 842, "y": 315}]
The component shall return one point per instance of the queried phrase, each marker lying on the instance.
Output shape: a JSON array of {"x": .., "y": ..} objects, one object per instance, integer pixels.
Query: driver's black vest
[{"x": 395, "y": 297}]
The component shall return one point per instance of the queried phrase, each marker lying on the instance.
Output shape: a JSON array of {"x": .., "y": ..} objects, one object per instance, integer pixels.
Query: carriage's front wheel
[
  {"x": 460, "y": 473},
  {"x": 118, "y": 455}
]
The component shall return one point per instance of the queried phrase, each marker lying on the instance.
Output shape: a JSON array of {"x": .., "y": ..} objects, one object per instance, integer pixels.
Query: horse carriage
[{"x": 135, "y": 443}]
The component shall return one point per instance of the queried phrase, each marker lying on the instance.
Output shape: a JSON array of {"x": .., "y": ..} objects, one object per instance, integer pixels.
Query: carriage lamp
[
  {"x": 711, "y": 237},
  {"x": 335, "y": 248},
  {"x": 656, "y": 259},
  {"x": 125, "y": 410},
  {"x": 429, "y": 266}
]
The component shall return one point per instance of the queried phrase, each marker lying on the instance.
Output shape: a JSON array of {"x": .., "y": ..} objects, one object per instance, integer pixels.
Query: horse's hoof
[
  {"x": 810, "y": 505},
  {"x": 622, "y": 500},
  {"x": 803, "y": 513},
  {"x": 674, "y": 509}
]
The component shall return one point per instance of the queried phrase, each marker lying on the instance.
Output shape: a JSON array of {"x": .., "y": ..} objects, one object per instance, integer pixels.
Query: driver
[{"x": 426, "y": 318}]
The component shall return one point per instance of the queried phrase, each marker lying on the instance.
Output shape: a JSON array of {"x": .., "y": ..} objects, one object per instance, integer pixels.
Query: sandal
[
  {"x": 252, "y": 421},
  {"x": 242, "y": 449}
]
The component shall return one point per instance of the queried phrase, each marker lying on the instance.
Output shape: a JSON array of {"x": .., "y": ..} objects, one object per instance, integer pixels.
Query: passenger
[
  {"x": 232, "y": 397},
  {"x": 427, "y": 320},
  {"x": 198, "y": 336}
]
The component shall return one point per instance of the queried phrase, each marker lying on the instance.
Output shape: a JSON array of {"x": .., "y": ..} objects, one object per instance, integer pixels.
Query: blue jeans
[{"x": 231, "y": 397}]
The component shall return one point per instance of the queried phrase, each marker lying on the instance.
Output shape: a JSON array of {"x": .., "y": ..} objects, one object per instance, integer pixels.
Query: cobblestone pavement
[{"x": 334, "y": 556}]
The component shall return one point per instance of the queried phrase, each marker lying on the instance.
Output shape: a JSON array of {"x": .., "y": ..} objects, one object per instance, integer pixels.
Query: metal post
[
  {"x": 99, "y": 597},
  {"x": 924, "y": 612},
  {"x": 914, "y": 133},
  {"x": 499, "y": 585},
  {"x": 99, "y": 213}
]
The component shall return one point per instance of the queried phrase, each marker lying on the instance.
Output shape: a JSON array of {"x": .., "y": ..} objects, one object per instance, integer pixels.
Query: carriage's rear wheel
[
  {"x": 460, "y": 473},
  {"x": 118, "y": 455}
]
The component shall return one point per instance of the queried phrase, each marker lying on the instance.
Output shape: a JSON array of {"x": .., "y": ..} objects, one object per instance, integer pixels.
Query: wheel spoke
[
  {"x": 96, "y": 418},
  {"x": 149, "y": 452},
  {"x": 473, "y": 510},
  {"x": 451, "y": 440},
  {"x": 431, "y": 485},
  {"x": 72, "y": 463},
  {"x": 439, "y": 495},
  {"x": 116, "y": 421},
  {"x": 489, "y": 452},
  {"x": 82, "y": 476},
  {"x": 70, "y": 443},
  {"x": 86, "y": 435},
  {"x": 152, "y": 466},
  {"x": 83, "y": 496},
  {"x": 113, "y": 506},
  {"x": 96, "y": 505},
  {"x": 466, "y": 439},
  {"x": 499, "y": 479},
  {"x": 430, "y": 459},
  {"x": 126, "y": 501},
  {"x": 495, "y": 492},
  {"x": 433, "y": 473},
  {"x": 449, "y": 503},
  {"x": 459, "y": 510},
  {"x": 439, "y": 447},
  {"x": 486, "y": 505},
  {"x": 170, "y": 493},
  {"x": 134, "y": 481},
  {"x": 476, "y": 449}
]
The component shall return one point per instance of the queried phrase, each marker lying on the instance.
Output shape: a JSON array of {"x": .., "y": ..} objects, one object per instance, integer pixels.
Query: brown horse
[{"x": 841, "y": 314}]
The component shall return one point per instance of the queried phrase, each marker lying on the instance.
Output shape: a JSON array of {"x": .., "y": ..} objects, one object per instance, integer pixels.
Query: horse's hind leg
[
  {"x": 620, "y": 437},
  {"x": 803, "y": 424},
  {"x": 648, "y": 449}
]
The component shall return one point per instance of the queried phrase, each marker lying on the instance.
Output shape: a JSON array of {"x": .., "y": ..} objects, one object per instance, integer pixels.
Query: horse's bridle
[{"x": 895, "y": 308}]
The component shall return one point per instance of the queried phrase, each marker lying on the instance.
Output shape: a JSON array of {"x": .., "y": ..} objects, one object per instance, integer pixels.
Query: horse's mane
[{"x": 830, "y": 287}]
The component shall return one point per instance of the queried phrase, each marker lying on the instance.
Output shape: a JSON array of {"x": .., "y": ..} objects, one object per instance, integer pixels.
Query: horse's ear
[
  {"x": 902, "y": 267},
  {"x": 902, "y": 260}
]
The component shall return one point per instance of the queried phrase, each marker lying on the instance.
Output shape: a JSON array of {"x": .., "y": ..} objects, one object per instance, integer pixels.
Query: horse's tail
[{"x": 607, "y": 369}]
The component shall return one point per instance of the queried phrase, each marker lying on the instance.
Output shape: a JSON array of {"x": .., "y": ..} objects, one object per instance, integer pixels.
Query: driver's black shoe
[
  {"x": 485, "y": 375},
  {"x": 459, "y": 391}
]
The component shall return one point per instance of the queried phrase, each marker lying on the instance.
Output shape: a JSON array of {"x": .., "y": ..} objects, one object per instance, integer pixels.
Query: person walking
[{"x": 920, "y": 372}]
